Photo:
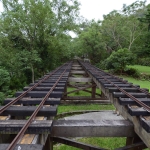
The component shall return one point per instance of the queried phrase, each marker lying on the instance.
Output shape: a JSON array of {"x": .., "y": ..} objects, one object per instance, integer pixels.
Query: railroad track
[
  {"x": 131, "y": 101},
  {"x": 20, "y": 115}
]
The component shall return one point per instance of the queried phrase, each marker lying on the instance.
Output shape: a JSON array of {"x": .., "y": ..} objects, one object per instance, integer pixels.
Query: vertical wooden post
[
  {"x": 49, "y": 143},
  {"x": 93, "y": 90},
  {"x": 102, "y": 95},
  {"x": 132, "y": 140},
  {"x": 65, "y": 91}
]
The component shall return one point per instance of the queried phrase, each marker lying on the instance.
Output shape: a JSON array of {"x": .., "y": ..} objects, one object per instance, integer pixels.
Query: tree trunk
[{"x": 32, "y": 73}]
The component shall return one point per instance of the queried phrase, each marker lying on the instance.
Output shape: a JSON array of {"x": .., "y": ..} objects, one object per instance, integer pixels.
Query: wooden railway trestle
[{"x": 81, "y": 76}]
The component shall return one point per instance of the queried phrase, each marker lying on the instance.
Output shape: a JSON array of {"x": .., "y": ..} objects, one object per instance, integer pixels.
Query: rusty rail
[
  {"x": 24, "y": 128},
  {"x": 146, "y": 107}
]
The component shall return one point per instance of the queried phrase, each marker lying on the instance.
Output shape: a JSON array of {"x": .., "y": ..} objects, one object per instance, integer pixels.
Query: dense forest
[{"x": 35, "y": 38}]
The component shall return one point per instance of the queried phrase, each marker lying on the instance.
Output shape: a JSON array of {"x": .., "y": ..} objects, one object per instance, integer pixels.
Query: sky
[{"x": 95, "y": 9}]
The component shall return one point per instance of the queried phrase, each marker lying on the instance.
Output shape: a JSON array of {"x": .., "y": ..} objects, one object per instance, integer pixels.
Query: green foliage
[
  {"x": 17, "y": 83},
  {"x": 144, "y": 61},
  {"x": 118, "y": 60},
  {"x": 90, "y": 42},
  {"x": 4, "y": 80},
  {"x": 4, "y": 84},
  {"x": 34, "y": 37},
  {"x": 2, "y": 97},
  {"x": 132, "y": 72}
]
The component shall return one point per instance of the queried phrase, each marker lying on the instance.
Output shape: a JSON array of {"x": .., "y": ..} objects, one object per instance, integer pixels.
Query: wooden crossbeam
[
  {"x": 23, "y": 147},
  {"x": 28, "y": 110},
  {"x": 14, "y": 126},
  {"x": 92, "y": 128},
  {"x": 72, "y": 79},
  {"x": 83, "y": 98},
  {"x": 40, "y": 94},
  {"x": 80, "y": 89},
  {"x": 34, "y": 101}
]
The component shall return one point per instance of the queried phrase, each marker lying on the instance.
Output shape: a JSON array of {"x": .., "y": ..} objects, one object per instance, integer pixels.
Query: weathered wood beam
[
  {"x": 92, "y": 128},
  {"x": 23, "y": 147},
  {"x": 40, "y": 94},
  {"x": 44, "y": 88},
  {"x": 128, "y": 101},
  {"x": 28, "y": 110},
  {"x": 76, "y": 68},
  {"x": 137, "y": 95},
  {"x": 82, "y": 98},
  {"x": 83, "y": 89},
  {"x": 77, "y": 72},
  {"x": 34, "y": 101},
  {"x": 129, "y": 89},
  {"x": 75, "y": 144},
  {"x": 36, "y": 127},
  {"x": 48, "y": 84},
  {"x": 72, "y": 79},
  {"x": 85, "y": 101}
]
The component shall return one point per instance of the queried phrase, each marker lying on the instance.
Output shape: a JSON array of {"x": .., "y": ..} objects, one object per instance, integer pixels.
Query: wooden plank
[
  {"x": 45, "y": 89},
  {"x": 40, "y": 94},
  {"x": 83, "y": 98},
  {"x": 36, "y": 127},
  {"x": 52, "y": 81},
  {"x": 127, "y": 89},
  {"x": 72, "y": 79},
  {"x": 76, "y": 144},
  {"x": 28, "y": 110},
  {"x": 145, "y": 124},
  {"x": 92, "y": 128},
  {"x": 85, "y": 101},
  {"x": 23, "y": 147},
  {"x": 126, "y": 101},
  {"x": 48, "y": 84},
  {"x": 139, "y": 111},
  {"x": 3, "y": 117},
  {"x": 34, "y": 101},
  {"x": 120, "y": 85},
  {"x": 137, "y": 95},
  {"x": 76, "y": 68},
  {"x": 77, "y": 72}
]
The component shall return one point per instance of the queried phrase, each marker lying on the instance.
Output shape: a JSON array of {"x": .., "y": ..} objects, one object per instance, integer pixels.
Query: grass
[
  {"x": 81, "y": 93},
  {"x": 141, "y": 69},
  {"x": 143, "y": 84},
  {"x": 108, "y": 143},
  {"x": 70, "y": 108}
]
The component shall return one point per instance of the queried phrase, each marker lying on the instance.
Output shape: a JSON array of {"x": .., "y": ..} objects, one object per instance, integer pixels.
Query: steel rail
[
  {"x": 30, "y": 89},
  {"x": 141, "y": 90},
  {"x": 24, "y": 128},
  {"x": 146, "y": 107}
]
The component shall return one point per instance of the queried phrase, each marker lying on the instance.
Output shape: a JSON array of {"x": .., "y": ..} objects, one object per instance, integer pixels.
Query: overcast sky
[{"x": 95, "y": 9}]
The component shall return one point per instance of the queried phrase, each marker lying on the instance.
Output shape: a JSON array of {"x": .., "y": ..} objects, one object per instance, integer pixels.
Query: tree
[
  {"x": 36, "y": 31},
  {"x": 122, "y": 28},
  {"x": 90, "y": 42}
]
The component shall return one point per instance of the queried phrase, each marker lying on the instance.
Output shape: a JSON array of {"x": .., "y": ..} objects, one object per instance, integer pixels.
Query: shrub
[
  {"x": 118, "y": 60},
  {"x": 144, "y": 61},
  {"x": 132, "y": 72}
]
